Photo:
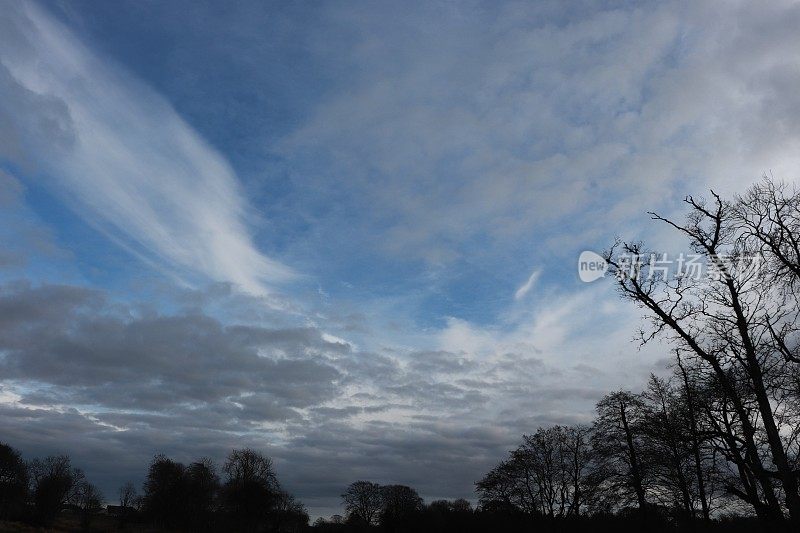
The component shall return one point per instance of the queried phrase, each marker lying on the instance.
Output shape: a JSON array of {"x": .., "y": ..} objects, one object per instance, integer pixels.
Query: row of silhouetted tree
[
  {"x": 248, "y": 497},
  {"x": 175, "y": 496},
  {"x": 36, "y": 491},
  {"x": 396, "y": 508}
]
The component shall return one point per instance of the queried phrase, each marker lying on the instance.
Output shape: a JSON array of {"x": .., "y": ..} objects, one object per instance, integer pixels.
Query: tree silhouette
[
  {"x": 251, "y": 493},
  {"x": 164, "y": 492},
  {"x": 548, "y": 474},
  {"x": 735, "y": 323},
  {"x": 13, "y": 483},
  {"x": 618, "y": 441},
  {"x": 89, "y": 501},
  {"x": 363, "y": 501},
  {"x": 128, "y": 502},
  {"x": 400, "y": 507},
  {"x": 200, "y": 487},
  {"x": 53, "y": 484}
]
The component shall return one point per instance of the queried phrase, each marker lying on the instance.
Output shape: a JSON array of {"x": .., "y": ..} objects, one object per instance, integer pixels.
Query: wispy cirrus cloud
[
  {"x": 122, "y": 157},
  {"x": 526, "y": 287}
]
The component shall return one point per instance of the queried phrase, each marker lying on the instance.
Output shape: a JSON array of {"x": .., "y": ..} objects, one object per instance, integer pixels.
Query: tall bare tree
[
  {"x": 363, "y": 500},
  {"x": 547, "y": 474},
  {"x": 703, "y": 456},
  {"x": 725, "y": 320},
  {"x": 617, "y": 441}
]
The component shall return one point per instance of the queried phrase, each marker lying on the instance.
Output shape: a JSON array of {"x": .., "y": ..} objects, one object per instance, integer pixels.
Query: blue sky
[{"x": 344, "y": 232}]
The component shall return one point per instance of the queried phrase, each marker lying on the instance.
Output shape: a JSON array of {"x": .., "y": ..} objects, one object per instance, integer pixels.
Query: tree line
[
  {"x": 244, "y": 497},
  {"x": 36, "y": 491}
]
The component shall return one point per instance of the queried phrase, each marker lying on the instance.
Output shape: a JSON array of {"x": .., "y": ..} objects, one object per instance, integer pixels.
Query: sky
[{"x": 346, "y": 233}]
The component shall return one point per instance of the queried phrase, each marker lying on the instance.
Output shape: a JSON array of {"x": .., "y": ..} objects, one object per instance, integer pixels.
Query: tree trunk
[
  {"x": 636, "y": 475},
  {"x": 785, "y": 474},
  {"x": 698, "y": 463}
]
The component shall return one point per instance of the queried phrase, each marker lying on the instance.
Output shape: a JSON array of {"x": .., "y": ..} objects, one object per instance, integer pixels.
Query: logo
[{"x": 591, "y": 266}]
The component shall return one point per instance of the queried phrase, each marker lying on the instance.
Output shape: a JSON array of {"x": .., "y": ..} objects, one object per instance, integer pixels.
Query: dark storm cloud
[
  {"x": 100, "y": 354},
  {"x": 185, "y": 385},
  {"x": 113, "y": 385}
]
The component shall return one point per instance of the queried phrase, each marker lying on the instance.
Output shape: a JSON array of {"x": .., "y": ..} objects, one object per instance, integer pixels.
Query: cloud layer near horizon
[{"x": 102, "y": 378}]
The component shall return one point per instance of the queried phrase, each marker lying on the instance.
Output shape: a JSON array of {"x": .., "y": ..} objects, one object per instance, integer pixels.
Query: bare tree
[
  {"x": 53, "y": 484},
  {"x": 88, "y": 499},
  {"x": 547, "y": 474},
  {"x": 363, "y": 500},
  {"x": 579, "y": 458},
  {"x": 249, "y": 465},
  {"x": 617, "y": 440},
  {"x": 724, "y": 321},
  {"x": 667, "y": 448},
  {"x": 251, "y": 494},
  {"x": 703, "y": 456},
  {"x": 128, "y": 502},
  {"x": 400, "y": 505},
  {"x": 290, "y": 515},
  {"x": 768, "y": 219},
  {"x": 510, "y": 485},
  {"x": 200, "y": 487},
  {"x": 559, "y": 456},
  {"x": 164, "y": 492},
  {"x": 127, "y": 495}
]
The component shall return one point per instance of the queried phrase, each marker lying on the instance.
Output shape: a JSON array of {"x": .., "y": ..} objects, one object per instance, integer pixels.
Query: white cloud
[
  {"x": 124, "y": 159},
  {"x": 527, "y": 286},
  {"x": 459, "y": 336},
  {"x": 550, "y": 119},
  {"x": 589, "y": 327}
]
